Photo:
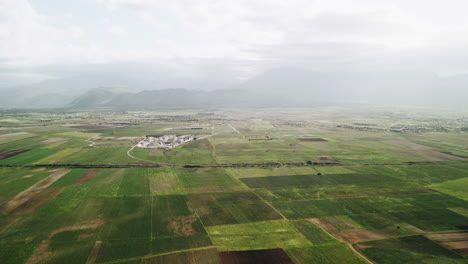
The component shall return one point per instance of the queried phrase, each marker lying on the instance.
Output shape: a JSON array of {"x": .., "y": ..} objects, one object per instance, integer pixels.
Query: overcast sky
[{"x": 232, "y": 40}]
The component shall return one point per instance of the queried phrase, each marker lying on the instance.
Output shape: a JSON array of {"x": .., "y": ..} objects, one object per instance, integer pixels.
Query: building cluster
[{"x": 165, "y": 141}]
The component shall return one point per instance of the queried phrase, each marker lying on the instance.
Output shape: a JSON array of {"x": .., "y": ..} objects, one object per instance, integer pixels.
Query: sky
[{"x": 229, "y": 41}]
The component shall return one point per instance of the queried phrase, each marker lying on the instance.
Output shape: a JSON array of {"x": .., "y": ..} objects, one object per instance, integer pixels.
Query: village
[{"x": 165, "y": 141}]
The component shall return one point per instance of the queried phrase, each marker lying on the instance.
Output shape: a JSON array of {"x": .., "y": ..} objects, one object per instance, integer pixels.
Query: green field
[{"x": 323, "y": 185}]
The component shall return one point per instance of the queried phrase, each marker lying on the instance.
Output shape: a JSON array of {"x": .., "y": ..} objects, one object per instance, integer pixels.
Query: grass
[
  {"x": 164, "y": 181},
  {"x": 69, "y": 178},
  {"x": 231, "y": 208},
  {"x": 205, "y": 177},
  {"x": 412, "y": 249},
  {"x": 457, "y": 188},
  {"x": 15, "y": 180},
  {"x": 175, "y": 211},
  {"x": 348, "y": 206},
  {"x": 28, "y": 157},
  {"x": 134, "y": 182},
  {"x": 99, "y": 156},
  {"x": 106, "y": 183},
  {"x": 257, "y": 235},
  {"x": 322, "y": 180},
  {"x": 57, "y": 157},
  {"x": 314, "y": 233},
  {"x": 308, "y": 192},
  {"x": 326, "y": 254},
  {"x": 176, "y": 214},
  {"x": 434, "y": 220}
]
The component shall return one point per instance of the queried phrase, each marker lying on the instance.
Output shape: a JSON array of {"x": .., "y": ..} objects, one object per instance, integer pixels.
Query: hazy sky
[{"x": 230, "y": 39}]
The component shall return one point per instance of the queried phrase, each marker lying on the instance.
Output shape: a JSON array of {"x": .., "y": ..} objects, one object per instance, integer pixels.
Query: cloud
[{"x": 238, "y": 38}]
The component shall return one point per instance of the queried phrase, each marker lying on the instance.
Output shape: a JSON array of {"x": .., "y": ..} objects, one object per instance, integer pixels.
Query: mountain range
[{"x": 277, "y": 87}]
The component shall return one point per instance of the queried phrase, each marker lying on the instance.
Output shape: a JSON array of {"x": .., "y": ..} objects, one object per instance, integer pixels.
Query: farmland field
[{"x": 275, "y": 186}]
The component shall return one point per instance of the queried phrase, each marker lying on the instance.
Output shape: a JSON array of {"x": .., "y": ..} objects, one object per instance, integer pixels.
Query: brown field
[
  {"x": 54, "y": 140},
  {"x": 312, "y": 139},
  {"x": 169, "y": 183},
  {"x": 156, "y": 153},
  {"x": 43, "y": 252},
  {"x": 86, "y": 177},
  {"x": 92, "y": 257},
  {"x": 5, "y": 154},
  {"x": 422, "y": 152},
  {"x": 216, "y": 189},
  {"x": 457, "y": 242},
  {"x": 12, "y": 135},
  {"x": 356, "y": 235},
  {"x": 114, "y": 138},
  {"x": 90, "y": 126},
  {"x": 27, "y": 194},
  {"x": 208, "y": 256},
  {"x": 182, "y": 225},
  {"x": 266, "y": 256},
  {"x": 38, "y": 200}
]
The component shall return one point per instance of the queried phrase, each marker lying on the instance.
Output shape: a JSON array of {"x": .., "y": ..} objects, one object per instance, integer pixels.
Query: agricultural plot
[
  {"x": 164, "y": 181},
  {"x": 186, "y": 154},
  {"x": 206, "y": 180},
  {"x": 455, "y": 188},
  {"x": 257, "y": 235},
  {"x": 277, "y": 255},
  {"x": 28, "y": 157},
  {"x": 98, "y": 156},
  {"x": 208, "y": 256},
  {"x": 231, "y": 207},
  {"x": 322, "y": 180},
  {"x": 412, "y": 249},
  {"x": 266, "y": 188},
  {"x": 349, "y": 206},
  {"x": 5, "y": 154},
  {"x": 327, "y": 254},
  {"x": 59, "y": 156}
]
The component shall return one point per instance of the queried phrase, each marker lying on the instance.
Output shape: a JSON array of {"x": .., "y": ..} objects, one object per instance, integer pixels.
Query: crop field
[{"x": 276, "y": 186}]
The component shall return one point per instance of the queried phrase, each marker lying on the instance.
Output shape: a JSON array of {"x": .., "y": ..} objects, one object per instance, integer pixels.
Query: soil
[
  {"x": 445, "y": 237},
  {"x": 5, "y": 154},
  {"x": 324, "y": 224},
  {"x": 312, "y": 139},
  {"x": 38, "y": 200},
  {"x": 266, "y": 256},
  {"x": 360, "y": 246},
  {"x": 216, "y": 189},
  {"x": 42, "y": 252},
  {"x": 90, "y": 126},
  {"x": 27, "y": 194},
  {"x": 12, "y": 135},
  {"x": 423, "y": 152},
  {"x": 87, "y": 225},
  {"x": 457, "y": 241},
  {"x": 94, "y": 253},
  {"x": 463, "y": 251},
  {"x": 157, "y": 186},
  {"x": 54, "y": 140},
  {"x": 182, "y": 225},
  {"x": 86, "y": 177},
  {"x": 114, "y": 138},
  {"x": 354, "y": 235}
]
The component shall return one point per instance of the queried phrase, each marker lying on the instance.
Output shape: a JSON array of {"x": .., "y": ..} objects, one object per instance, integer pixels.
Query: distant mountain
[
  {"x": 172, "y": 98},
  {"x": 405, "y": 88},
  {"x": 274, "y": 88},
  {"x": 97, "y": 97}
]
